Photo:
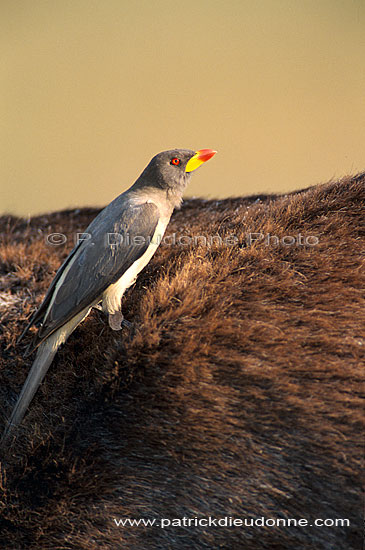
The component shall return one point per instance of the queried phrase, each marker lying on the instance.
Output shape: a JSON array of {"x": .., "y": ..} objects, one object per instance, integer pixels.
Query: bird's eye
[{"x": 175, "y": 162}]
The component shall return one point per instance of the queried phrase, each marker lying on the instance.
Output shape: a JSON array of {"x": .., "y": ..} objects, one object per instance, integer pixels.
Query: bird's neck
[
  {"x": 161, "y": 197},
  {"x": 170, "y": 197}
]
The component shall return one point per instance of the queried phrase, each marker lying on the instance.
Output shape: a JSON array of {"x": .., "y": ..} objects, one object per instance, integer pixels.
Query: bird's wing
[
  {"x": 39, "y": 313},
  {"x": 96, "y": 263}
]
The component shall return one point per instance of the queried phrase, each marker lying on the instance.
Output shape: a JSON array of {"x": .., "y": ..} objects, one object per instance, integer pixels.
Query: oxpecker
[{"x": 115, "y": 247}]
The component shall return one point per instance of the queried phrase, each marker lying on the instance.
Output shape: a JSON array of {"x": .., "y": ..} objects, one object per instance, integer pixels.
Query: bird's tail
[
  {"x": 44, "y": 358},
  {"x": 45, "y": 354}
]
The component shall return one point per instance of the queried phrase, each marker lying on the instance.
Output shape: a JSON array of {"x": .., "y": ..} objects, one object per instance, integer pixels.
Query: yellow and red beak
[{"x": 199, "y": 158}]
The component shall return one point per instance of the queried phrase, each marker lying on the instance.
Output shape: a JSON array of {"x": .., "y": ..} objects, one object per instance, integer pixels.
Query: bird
[{"x": 115, "y": 247}]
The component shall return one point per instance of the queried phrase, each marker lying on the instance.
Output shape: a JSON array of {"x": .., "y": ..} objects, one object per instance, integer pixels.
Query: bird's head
[{"x": 171, "y": 170}]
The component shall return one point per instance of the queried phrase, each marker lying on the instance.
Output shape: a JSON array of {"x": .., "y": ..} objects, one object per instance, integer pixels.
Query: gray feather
[
  {"x": 94, "y": 264},
  {"x": 34, "y": 379}
]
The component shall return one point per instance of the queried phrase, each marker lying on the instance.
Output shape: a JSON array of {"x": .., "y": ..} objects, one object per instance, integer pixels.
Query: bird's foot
[{"x": 117, "y": 321}]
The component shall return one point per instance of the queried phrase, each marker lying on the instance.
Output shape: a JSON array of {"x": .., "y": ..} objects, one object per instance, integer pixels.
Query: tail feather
[
  {"x": 38, "y": 371},
  {"x": 45, "y": 354}
]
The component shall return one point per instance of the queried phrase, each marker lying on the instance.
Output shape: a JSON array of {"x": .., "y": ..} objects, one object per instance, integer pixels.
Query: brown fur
[{"x": 240, "y": 394}]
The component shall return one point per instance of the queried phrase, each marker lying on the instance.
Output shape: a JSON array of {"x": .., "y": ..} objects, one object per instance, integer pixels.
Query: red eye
[{"x": 175, "y": 161}]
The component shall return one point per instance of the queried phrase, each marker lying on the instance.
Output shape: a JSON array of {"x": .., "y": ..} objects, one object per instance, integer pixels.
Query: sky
[{"x": 92, "y": 90}]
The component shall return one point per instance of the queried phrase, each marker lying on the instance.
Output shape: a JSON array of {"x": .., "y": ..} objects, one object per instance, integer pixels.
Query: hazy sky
[{"x": 91, "y": 90}]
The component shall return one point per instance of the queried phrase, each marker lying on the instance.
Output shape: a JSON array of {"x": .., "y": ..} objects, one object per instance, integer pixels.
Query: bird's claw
[{"x": 127, "y": 324}]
